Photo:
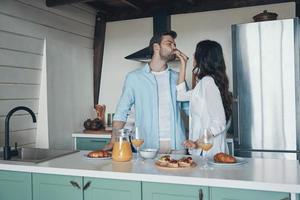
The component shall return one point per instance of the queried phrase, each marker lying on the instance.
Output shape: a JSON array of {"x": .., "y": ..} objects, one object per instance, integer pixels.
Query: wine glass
[
  {"x": 205, "y": 143},
  {"x": 137, "y": 141}
]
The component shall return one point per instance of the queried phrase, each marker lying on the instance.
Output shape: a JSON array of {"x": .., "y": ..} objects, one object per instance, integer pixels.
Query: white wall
[
  {"x": 122, "y": 39},
  {"x": 216, "y": 25},
  {"x": 66, "y": 33}
]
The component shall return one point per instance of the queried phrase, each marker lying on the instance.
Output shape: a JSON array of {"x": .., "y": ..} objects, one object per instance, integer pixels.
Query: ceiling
[{"x": 115, "y": 10}]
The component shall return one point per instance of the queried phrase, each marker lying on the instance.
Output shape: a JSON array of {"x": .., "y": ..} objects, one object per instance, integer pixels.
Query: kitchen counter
[
  {"x": 257, "y": 174},
  {"x": 106, "y": 133},
  {"x": 91, "y": 135}
]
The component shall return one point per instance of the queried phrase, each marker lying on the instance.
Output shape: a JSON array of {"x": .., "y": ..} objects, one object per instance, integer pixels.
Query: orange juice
[
  {"x": 122, "y": 151},
  {"x": 205, "y": 146},
  {"x": 137, "y": 142}
]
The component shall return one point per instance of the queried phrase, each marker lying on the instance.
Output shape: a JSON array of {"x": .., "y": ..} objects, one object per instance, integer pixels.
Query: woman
[{"x": 210, "y": 100}]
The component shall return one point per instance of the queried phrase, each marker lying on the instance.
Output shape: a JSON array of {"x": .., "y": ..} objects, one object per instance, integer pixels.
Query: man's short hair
[{"x": 158, "y": 37}]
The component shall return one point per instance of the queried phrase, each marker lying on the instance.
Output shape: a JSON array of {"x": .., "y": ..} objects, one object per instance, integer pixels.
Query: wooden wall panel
[
  {"x": 26, "y": 28},
  {"x": 48, "y": 19},
  {"x": 21, "y": 137},
  {"x": 20, "y": 59},
  {"x": 18, "y": 42},
  {"x": 18, "y": 123},
  {"x": 7, "y": 105},
  {"x": 68, "y": 11},
  {"x": 16, "y": 25},
  {"x": 20, "y": 75},
  {"x": 19, "y": 91}
]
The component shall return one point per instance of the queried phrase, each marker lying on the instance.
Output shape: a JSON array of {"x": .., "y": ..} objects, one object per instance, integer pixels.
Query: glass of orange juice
[
  {"x": 205, "y": 143},
  {"x": 137, "y": 141}
]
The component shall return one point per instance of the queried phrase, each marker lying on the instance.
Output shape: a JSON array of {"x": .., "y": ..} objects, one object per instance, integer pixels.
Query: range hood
[{"x": 161, "y": 23}]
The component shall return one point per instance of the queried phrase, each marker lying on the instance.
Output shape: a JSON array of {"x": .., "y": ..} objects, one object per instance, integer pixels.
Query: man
[{"x": 152, "y": 91}]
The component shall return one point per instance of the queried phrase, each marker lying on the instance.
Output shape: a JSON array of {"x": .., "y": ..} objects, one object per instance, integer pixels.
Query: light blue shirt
[{"x": 141, "y": 90}]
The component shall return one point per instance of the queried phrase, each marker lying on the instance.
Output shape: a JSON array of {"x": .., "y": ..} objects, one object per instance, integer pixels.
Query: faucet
[{"x": 6, "y": 150}]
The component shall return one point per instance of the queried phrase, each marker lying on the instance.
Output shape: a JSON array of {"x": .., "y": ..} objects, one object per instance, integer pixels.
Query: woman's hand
[
  {"x": 182, "y": 69},
  {"x": 189, "y": 144},
  {"x": 182, "y": 57}
]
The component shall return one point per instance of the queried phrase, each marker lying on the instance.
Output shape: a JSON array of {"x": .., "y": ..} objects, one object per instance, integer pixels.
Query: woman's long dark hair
[{"x": 210, "y": 62}]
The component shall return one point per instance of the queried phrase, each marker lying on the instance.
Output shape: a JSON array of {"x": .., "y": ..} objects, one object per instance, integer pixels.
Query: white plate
[
  {"x": 104, "y": 158},
  {"x": 239, "y": 161}
]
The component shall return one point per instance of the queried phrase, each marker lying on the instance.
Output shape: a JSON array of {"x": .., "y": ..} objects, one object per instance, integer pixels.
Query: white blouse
[{"x": 206, "y": 111}]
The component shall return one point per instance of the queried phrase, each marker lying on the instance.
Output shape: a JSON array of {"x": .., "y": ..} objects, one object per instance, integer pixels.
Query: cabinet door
[
  {"x": 162, "y": 191},
  {"x": 15, "y": 185},
  {"x": 109, "y": 189},
  {"x": 58, "y": 187},
  {"x": 240, "y": 194},
  {"x": 91, "y": 143}
]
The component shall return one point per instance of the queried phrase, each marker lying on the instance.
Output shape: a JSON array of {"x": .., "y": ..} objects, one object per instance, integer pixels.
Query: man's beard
[{"x": 169, "y": 57}]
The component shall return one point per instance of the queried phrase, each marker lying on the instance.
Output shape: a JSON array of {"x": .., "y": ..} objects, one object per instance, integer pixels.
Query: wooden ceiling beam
[
  {"x": 297, "y": 8},
  {"x": 102, "y": 8},
  {"x": 131, "y": 4},
  {"x": 52, "y": 3}
]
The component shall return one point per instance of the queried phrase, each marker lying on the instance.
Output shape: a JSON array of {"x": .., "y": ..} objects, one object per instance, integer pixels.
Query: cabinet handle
[
  {"x": 200, "y": 194},
  {"x": 237, "y": 101},
  {"x": 75, "y": 184},
  {"x": 87, "y": 185},
  {"x": 287, "y": 198},
  {"x": 96, "y": 141}
]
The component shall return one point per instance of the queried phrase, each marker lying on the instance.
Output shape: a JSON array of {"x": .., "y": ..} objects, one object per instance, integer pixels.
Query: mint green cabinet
[
  {"x": 58, "y": 187},
  {"x": 15, "y": 185},
  {"x": 91, "y": 143},
  {"x": 109, "y": 189},
  {"x": 162, "y": 191},
  {"x": 241, "y": 194}
]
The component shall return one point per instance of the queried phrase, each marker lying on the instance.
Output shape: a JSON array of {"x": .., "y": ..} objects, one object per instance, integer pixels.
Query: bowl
[
  {"x": 148, "y": 153},
  {"x": 265, "y": 16}
]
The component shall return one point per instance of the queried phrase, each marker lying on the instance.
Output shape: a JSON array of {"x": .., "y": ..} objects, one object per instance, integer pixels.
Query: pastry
[
  {"x": 224, "y": 158},
  {"x": 185, "y": 162},
  {"x": 164, "y": 160},
  {"x": 99, "y": 154},
  {"x": 173, "y": 164},
  {"x": 168, "y": 162}
]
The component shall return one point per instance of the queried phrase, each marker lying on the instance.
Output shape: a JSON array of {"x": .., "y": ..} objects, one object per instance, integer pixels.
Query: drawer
[
  {"x": 91, "y": 143},
  {"x": 166, "y": 191},
  {"x": 241, "y": 194}
]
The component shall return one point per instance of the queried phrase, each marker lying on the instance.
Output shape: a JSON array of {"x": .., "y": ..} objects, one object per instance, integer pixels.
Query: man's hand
[
  {"x": 109, "y": 146},
  {"x": 116, "y": 125}
]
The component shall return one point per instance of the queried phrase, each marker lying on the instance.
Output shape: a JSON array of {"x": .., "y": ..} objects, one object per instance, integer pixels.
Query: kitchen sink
[{"x": 37, "y": 155}]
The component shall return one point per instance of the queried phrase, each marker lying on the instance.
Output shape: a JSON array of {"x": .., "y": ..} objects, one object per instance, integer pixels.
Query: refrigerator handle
[{"x": 237, "y": 101}]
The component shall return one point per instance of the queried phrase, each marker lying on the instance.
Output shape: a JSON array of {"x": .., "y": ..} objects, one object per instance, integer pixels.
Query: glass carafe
[{"x": 122, "y": 148}]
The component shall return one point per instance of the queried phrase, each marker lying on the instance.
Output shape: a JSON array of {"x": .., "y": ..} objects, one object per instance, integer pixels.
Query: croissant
[
  {"x": 224, "y": 158},
  {"x": 99, "y": 154}
]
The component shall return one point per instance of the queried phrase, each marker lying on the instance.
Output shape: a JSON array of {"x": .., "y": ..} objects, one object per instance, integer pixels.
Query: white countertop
[{"x": 257, "y": 174}]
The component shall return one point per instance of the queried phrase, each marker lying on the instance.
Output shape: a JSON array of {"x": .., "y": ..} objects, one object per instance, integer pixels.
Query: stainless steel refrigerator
[{"x": 266, "y": 109}]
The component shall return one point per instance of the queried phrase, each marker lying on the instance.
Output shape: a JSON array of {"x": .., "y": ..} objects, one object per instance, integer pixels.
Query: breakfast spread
[
  {"x": 99, "y": 154},
  {"x": 167, "y": 162},
  {"x": 224, "y": 158}
]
